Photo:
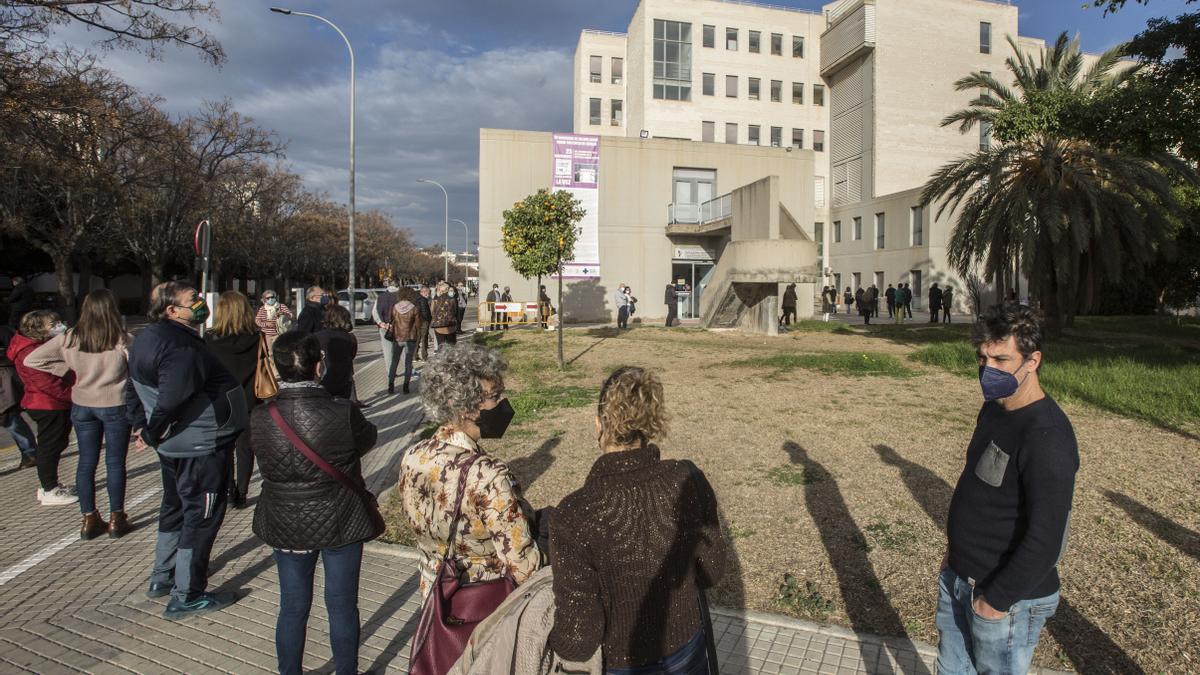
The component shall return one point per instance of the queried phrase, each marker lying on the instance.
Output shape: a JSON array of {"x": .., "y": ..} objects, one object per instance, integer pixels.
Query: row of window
[
  {"x": 708, "y": 132},
  {"x": 596, "y": 66},
  {"x": 616, "y": 113},
  {"x": 755, "y": 41},
  {"x": 754, "y": 89},
  {"x": 916, "y": 225}
]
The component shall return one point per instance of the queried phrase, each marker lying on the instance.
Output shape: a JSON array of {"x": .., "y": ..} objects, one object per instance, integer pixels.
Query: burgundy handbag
[{"x": 452, "y": 609}]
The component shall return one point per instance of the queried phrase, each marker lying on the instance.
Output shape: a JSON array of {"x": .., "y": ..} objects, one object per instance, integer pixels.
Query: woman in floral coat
[{"x": 462, "y": 387}]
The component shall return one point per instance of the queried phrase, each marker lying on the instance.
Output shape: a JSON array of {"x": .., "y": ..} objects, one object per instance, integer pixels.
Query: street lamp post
[
  {"x": 446, "y": 227},
  {"x": 466, "y": 236},
  {"x": 352, "y": 270}
]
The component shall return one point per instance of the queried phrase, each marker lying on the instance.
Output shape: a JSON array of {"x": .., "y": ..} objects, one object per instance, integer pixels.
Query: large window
[
  {"x": 776, "y": 91},
  {"x": 731, "y": 86},
  {"x": 857, "y": 228},
  {"x": 710, "y": 36},
  {"x": 594, "y": 65},
  {"x": 755, "y": 41},
  {"x": 617, "y": 112},
  {"x": 776, "y": 137},
  {"x": 985, "y": 93},
  {"x": 692, "y": 187},
  {"x": 731, "y": 133},
  {"x": 672, "y": 60},
  {"x": 731, "y": 39},
  {"x": 917, "y": 213},
  {"x": 754, "y": 135},
  {"x": 798, "y": 46},
  {"x": 777, "y": 44},
  {"x": 618, "y": 69},
  {"x": 709, "y": 84},
  {"x": 837, "y": 234},
  {"x": 593, "y": 111},
  {"x": 985, "y": 136},
  {"x": 797, "y": 92},
  {"x": 798, "y": 139},
  {"x": 818, "y": 94},
  {"x": 985, "y": 37},
  {"x": 707, "y": 131},
  {"x": 818, "y": 140},
  {"x": 880, "y": 228},
  {"x": 754, "y": 86}
]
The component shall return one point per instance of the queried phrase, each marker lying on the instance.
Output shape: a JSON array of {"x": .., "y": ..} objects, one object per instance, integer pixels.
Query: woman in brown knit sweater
[{"x": 635, "y": 547}]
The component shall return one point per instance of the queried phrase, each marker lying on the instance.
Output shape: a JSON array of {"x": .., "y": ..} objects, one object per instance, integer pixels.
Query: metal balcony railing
[{"x": 707, "y": 212}]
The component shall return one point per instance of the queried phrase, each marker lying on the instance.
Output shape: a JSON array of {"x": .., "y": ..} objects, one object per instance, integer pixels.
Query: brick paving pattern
[{"x": 79, "y": 606}]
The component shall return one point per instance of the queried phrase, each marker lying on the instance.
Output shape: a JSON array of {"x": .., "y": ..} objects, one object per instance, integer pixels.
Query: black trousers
[
  {"x": 623, "y": 316},
  {"x": 53, "y": 434},
  {"x": 190, "y": 516},
  {"x": 242, "y": 464},
  {"x": 908, "y": 309},
  {"x": 447, "y": 339},
  {"x": 672, "y": 314},
  {"x": 891, "y": 308},
  {"x": 788, "y": 312}
]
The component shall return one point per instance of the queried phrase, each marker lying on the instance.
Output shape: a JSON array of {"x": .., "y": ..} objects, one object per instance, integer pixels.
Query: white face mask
[
  {"x": 58, "y": 329},
  {"x": 450, "y": 293}
]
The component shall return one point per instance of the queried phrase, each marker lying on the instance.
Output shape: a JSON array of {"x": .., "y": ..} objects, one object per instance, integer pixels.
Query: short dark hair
[
  {"x": 163, "y": 296},
  {"x": 1010, "y": 318},
  {"x": 296, "y": 356}
]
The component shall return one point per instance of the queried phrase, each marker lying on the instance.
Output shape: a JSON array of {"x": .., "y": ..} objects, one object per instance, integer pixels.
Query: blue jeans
[
  {"x": 970, "y": 644},
  {"x": 92, "y": 425},
  {"x": 21, "y": 434},
  {"x": 690, "y": 659},
  {"x": 341, "y": 603}
]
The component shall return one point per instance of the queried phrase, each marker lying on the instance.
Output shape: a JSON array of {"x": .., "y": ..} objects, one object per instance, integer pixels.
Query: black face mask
[{"x": 494, "y": 422}]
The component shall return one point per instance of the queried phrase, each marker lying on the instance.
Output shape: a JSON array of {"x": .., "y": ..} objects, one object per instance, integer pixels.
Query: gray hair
[{"x": 452, "y": 381}]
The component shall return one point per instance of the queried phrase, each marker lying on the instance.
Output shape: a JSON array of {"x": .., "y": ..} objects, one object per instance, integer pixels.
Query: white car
[{"x": 364, "y": 302}]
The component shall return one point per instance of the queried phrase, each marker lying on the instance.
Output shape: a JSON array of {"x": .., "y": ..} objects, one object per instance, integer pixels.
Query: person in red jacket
[{"x": 47, "y": 399}]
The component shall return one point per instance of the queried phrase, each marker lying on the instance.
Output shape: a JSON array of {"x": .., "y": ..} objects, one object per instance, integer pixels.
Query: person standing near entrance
[
  {"x": 622, "y": 301},
  {"x": 947, "y": 303},
  {"x": 874, "y": 292},
  {"x": 381, "y": 313},
  {"x": 789, "y": 306},
  {"x": 935, "y": 302},
  {"x": 183, "y": 403},
  {"x": 506, "y": 296},
  {"x": 890, "y": 296},
  {"x": 901, "y": 296},
  {"x": 1007, "y": 525},
  {"x": 908, "y": 297},
  {"x": 493, "y": 297},
  {"x": 848, "y": 297},
  {"x": 672, "y": 300}
]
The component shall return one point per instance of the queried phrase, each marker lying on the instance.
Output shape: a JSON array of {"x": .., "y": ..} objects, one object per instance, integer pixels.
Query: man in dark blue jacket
[{"x": 183, "y": 403}]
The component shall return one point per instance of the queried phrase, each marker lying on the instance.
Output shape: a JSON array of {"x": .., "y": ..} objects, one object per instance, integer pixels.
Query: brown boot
[
  {"x": 93, "y": 526},
  {"x": 118, "y": 524}
]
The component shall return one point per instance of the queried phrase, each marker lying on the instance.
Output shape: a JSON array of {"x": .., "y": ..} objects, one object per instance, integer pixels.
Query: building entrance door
[{"x": 691, "y": 279}]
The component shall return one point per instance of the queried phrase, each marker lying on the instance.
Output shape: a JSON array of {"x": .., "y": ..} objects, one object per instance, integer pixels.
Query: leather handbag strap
[
  {"x": 462, "y": 489},
  {"x": 316, "y": 459}
]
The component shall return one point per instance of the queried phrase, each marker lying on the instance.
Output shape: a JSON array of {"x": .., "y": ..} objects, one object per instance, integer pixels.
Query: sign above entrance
[
  {"x": 577, "y": 170},
  {"x": 692, "y": 252}
]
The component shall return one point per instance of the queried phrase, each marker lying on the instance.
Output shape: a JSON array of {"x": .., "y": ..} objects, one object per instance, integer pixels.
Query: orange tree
[{"x": 539, "y": 233}]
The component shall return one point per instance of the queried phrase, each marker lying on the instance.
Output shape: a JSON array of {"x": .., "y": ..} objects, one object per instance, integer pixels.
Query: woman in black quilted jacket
[{"x": 303, "y": 512}]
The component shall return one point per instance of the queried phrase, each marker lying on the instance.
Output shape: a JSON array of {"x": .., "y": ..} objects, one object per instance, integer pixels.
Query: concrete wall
[
  {"x": 636, "y": 184},
  {"x": 606, "y": 46}
]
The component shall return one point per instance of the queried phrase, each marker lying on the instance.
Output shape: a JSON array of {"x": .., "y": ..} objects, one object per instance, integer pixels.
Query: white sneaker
[{"x": 56, "y": 496}]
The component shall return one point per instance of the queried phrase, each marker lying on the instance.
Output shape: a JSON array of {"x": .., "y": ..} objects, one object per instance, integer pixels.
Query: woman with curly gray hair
[{"x": 463, "y": 390}]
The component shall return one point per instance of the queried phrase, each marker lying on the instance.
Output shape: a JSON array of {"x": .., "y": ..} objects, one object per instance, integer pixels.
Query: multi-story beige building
[{"x": 860, "y": 87}]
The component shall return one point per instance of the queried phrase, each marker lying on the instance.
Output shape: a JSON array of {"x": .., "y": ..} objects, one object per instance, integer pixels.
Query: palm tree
[{"x": 1045, "y": 201}]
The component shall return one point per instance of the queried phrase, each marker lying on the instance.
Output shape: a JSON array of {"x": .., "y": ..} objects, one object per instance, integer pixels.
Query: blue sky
[{"x": 430, "y": 74}]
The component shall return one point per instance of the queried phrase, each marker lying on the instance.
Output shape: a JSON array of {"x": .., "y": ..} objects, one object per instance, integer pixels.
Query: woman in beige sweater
[{"x": 96, "y": 351}]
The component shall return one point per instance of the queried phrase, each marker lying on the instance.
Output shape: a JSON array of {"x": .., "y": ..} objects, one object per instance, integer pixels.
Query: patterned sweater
[{"x": 494, "y": 534}]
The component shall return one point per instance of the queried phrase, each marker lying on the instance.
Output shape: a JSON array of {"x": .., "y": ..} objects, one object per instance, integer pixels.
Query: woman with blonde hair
[
  {"x": 234, "y": 339},
  {"x": 636, "y": 546}
]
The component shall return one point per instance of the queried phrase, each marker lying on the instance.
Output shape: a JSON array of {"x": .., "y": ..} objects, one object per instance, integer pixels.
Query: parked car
[{"x": 364, "y": 302}]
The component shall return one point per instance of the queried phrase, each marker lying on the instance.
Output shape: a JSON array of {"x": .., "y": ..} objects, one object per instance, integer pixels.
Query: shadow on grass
[
  {"x": 1187, "y": 541},
  {"x": 529, "y": 468},
  {"x": 1088, "y": 647}
]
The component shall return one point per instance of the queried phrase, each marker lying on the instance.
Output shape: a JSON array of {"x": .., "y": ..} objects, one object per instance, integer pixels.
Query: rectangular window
[
  {"x": 594, "y": 65},
  {"x": 985, "y": 37},
  {"x": 818, "y": 94},
  {"x": 617, "y": 112},
  {"x": 917, "y": 213},
  {"x": 798, "y": 46},
  {"x": 837, "y": 232},
  {"x": 707, "y": 131},
  {"x": 818, "y": 140},
  {"x": 731, "y": 86},
  {"x": 879, "y": 282},
  {"x": 594, "y": 111},
  {"x": 776, "y": 91},
  {"x": 730, "y": 133},
  {"x": 753, "y": 134},
  {"x": 777, "y": 44},
  {"x": 755, "y": 41},
  {"x": 819, "y": 237},
  {"x": 985, "y": 136},
  {"x": 731, "y": 39},
  {"x": 710, "y": 36},
  {"x": 672, "y": 60},
  {"x": 857, "y": 276},
  {"x": 618, "y": 69},
  {"x": 776, "y": 137},
  {"x": 754, "y": 82},
  {"x": 880, "y": 228},
  {"x": 857, "y": 228},
  {"x": 985, "y": 93},
  {"x": 798, "y": 139},
  {"x": 798, "y": 92},
  {"x": 710, "y": 84}
]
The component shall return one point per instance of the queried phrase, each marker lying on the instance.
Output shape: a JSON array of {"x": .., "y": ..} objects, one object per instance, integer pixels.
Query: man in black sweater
[
  {"x": 1007, "y": 527},
  {"x": 312, "y": 317}
]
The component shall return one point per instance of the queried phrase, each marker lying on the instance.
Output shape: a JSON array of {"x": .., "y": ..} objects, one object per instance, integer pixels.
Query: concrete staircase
[{"x": 744, "y": 289}]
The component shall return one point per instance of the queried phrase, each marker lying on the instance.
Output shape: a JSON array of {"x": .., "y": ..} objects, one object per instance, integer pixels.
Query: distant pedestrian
[
  {"x": 833, "y": 300},
  {"x": 935, "y": 302},
  {"x": 444, "y": 310},
  {"x": 312, "y": 317},
  {"x": 901, "y": 297},
  {"x": 20, "y": 301},
  {"x": 11, "y": 391},
  {"x": 426, "y": 317},
  {"x": 506, "y": 297},
  {"x": 460, "y": 296},
  {"x": 621, "y": 299},
  {"x": 300, "y": 527},
  {"x": 1008, "y": 519},
  {"x": 493, "y": 297},
  {"x": 890, "y": 296},
  {"x": 234, "y": 340},
  {"x": 340, "y": 346},
  {"x": 406, "y": 326},
  {"x": 874, "y": 291},
  {"x": 789, "y": 306},
  {"x": 381, "y": 314},
  {"x": 545, "y": 307},
  {"x": 863, "y": 304},
  {"x": 908, "y": 298},
  {"x": 671, "y": 297},
  {"x": 184, "y": 404},
  {"x": 632, "y": 301},
  {"x": 47, "y": 400},
  {"x": 947, "y": 303},
  {"x": 849, "y": 298},
  {"x": 273, "y": 317}
]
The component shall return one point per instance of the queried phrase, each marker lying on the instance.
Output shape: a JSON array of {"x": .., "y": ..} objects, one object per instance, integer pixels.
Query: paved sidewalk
[{"x": 73, "y": 606}]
